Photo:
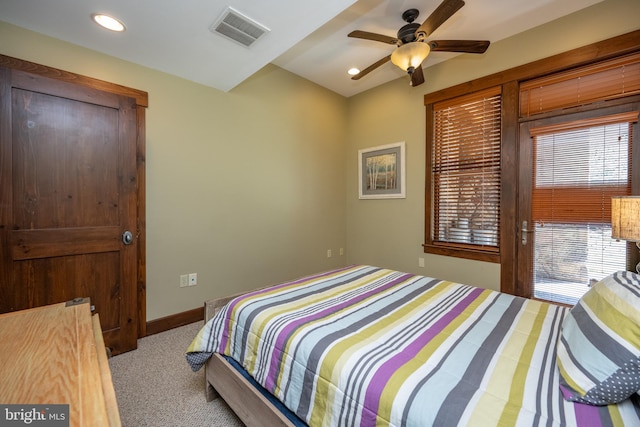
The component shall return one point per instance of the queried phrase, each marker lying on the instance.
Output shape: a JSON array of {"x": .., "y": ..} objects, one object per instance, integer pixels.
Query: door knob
[{"x": 127, "y": 237}]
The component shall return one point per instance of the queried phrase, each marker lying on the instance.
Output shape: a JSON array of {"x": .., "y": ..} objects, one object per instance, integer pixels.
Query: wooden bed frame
[{"x": 223, "y": 380}]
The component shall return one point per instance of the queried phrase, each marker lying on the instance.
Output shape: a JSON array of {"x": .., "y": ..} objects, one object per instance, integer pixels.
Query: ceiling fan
[{"x": 413, "y": 48}]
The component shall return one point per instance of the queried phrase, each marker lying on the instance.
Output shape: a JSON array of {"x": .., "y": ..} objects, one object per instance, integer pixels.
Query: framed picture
[{"x": 381, "y": 172}]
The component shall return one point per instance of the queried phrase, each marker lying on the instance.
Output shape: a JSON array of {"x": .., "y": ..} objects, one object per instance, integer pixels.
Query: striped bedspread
[{"x": 364, "y": 346}]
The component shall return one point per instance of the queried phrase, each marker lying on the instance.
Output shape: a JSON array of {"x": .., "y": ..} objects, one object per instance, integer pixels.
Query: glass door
[{"x": 570, "y": 168}]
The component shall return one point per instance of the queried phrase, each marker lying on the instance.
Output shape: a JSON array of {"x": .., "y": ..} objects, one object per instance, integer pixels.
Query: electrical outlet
[
  {"x": 184, "y": 280},
  {"x": 329, "y": 254},
  {"x": 193, "y": 279},
  {"x": 341, "y": 251}
]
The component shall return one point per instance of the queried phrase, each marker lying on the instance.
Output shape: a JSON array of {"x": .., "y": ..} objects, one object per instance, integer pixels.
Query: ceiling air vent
[{"x": 237, "y": 27}]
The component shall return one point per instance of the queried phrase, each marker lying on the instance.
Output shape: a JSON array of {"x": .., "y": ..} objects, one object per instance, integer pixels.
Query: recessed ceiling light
[
  {"x": 108, "y": 22},
  {"x": 353, "y": 71}
]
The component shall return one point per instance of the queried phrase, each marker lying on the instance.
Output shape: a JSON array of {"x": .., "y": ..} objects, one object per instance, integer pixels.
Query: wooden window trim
[
  {"x": 509, "y": 79},
  {"x": 456, "y": 109},
  {"x": 599, "y": 51}
]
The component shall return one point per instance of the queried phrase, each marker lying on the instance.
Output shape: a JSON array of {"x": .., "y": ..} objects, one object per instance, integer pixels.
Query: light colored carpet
[{"x": 155, "y": 386}]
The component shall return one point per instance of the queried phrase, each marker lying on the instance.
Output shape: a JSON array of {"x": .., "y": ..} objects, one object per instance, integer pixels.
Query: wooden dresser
[{"x": 56, "y": 355}]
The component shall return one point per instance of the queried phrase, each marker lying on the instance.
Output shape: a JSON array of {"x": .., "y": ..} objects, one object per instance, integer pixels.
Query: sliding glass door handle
[{"x": 524, "y": 232}]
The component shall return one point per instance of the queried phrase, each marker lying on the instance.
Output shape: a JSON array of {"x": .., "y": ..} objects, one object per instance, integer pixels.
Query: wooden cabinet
[{"x": 56, "y": 355}]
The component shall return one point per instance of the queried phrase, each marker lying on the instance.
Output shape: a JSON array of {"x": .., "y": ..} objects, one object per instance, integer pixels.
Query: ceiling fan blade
[
  {"x": 466, "y": 46},
  {"x": 373, "y": 36},
  {"x": 446, "y": 9},
  {"x": 417, "y": 77},
  {"x": 371, "y": 67}
]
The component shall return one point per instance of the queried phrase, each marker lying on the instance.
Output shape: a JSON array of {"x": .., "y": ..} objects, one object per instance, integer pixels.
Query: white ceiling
[{"x": 308, "y": 38}]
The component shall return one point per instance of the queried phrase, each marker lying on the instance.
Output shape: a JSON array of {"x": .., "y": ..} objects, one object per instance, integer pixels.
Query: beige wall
[
  {"x": 390, "y": 232},
  {"x": 244, "y": 188},
  {"x": 253, "y": 186}
]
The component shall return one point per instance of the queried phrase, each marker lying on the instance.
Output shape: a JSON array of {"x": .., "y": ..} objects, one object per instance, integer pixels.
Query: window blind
[
  {"x": 466, "y": 170},
  {"x": 606, "y": 80},
  {"x": 578, "y": 167}
]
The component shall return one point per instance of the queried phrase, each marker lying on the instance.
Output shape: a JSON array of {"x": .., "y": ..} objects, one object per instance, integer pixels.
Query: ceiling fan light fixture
[
  {"x": 410, "y": 55},
  {"x": 353, "y": 71}
]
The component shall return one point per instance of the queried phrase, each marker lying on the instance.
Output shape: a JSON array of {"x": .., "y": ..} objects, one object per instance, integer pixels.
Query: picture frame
[{"x": 381, "y": 172}]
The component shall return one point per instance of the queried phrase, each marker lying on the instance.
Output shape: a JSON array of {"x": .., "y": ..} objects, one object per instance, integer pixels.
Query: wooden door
[{"x": 67, "y": 195}]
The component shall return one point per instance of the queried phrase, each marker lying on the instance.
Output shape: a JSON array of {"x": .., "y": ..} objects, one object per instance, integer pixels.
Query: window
[
  {"x": 604, "y": 81},
  {"x": 578, "y": 166},
  {"x": 603, "y": 76},
  {"x": 465, "y": 172}
]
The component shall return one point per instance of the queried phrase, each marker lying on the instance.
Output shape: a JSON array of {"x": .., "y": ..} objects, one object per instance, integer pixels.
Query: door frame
[
  {"x": 142, "y": 102},
  {"x": 525, "y": 252}
]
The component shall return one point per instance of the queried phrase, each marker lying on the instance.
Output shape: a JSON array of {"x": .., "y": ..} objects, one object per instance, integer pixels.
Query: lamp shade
[
  {"x": 410, "y": 55},
  {"x": 625, "y": 218}
]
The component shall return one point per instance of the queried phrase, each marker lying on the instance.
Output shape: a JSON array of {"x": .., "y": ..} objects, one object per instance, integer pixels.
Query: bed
[{"x": 364, "y": 346}]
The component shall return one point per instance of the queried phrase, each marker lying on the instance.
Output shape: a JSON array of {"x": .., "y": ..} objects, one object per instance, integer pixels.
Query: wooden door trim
[
  {"x": 141, "y": 98},
  {"x": 5, "y": 173},
  {"x": 526, "y": 172},
  {"x": 33, "y": 82}
]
